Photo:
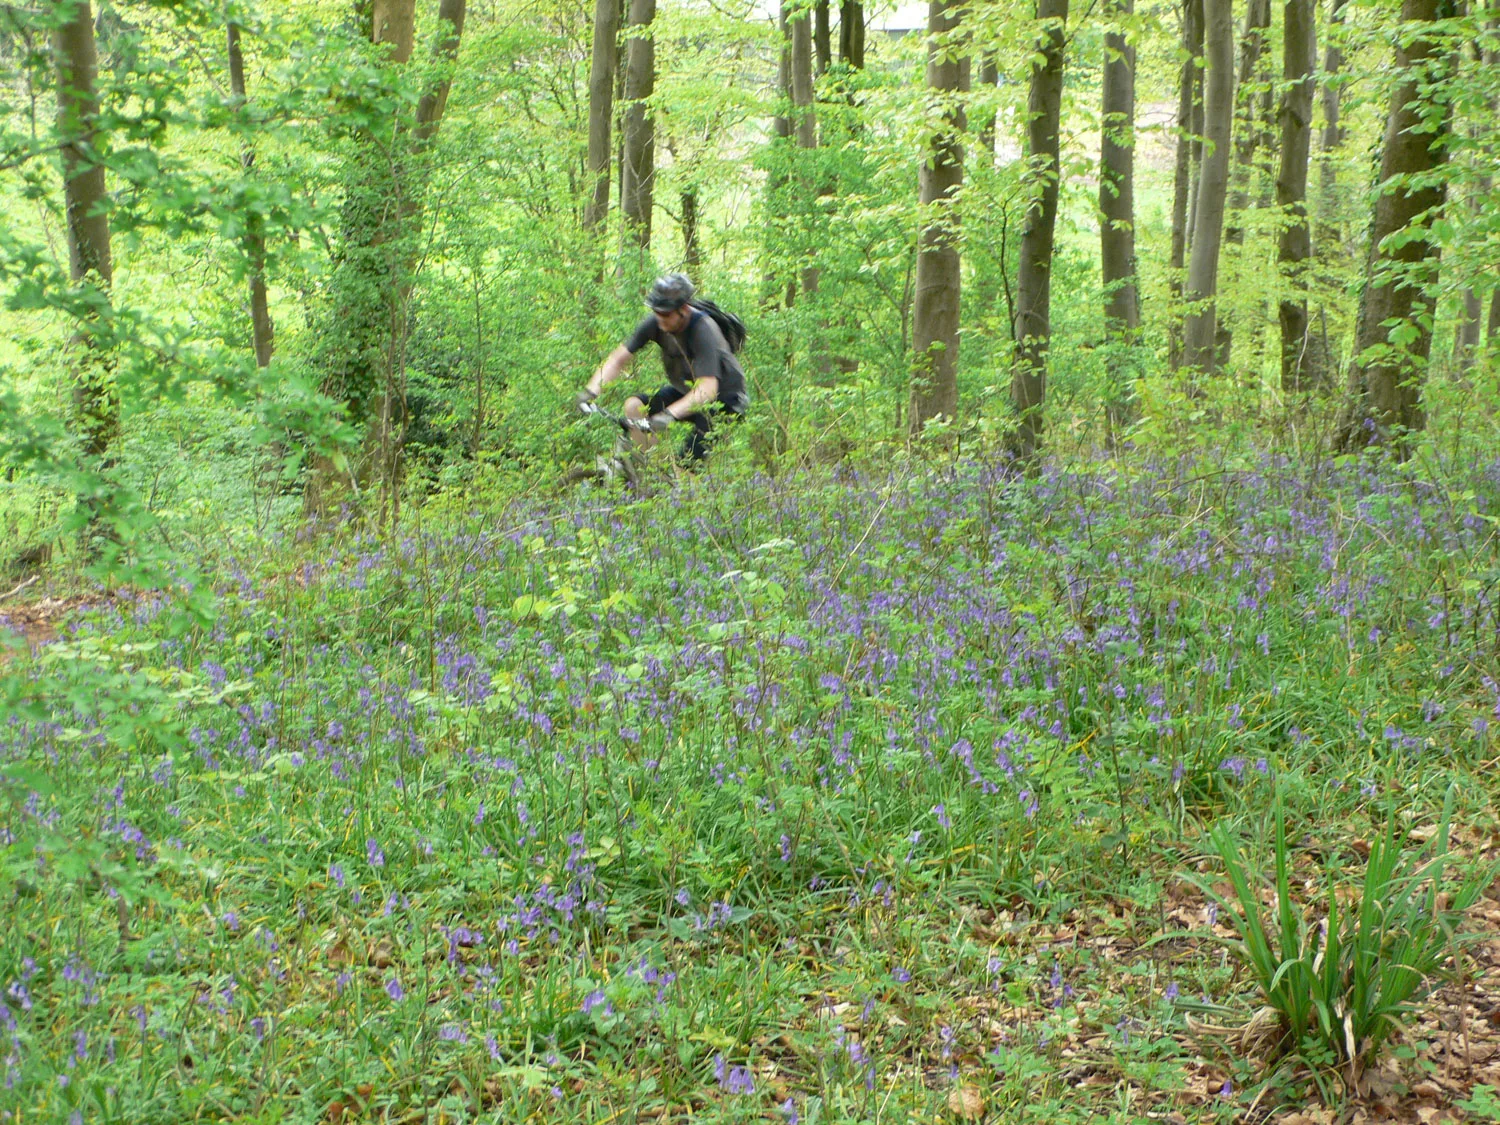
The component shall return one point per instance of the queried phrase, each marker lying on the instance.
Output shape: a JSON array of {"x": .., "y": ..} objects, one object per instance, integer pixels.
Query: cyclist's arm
[
  {"x": 704, "y": 391},
  {"x": 611, "y": 369}
]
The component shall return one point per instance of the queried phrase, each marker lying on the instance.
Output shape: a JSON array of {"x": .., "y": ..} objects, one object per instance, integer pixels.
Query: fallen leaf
[{"x": 966, "y": 1103}]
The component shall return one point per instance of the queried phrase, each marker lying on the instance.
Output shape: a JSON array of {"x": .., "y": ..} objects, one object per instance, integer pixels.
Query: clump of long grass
[{"x": 1342, "y": 985}]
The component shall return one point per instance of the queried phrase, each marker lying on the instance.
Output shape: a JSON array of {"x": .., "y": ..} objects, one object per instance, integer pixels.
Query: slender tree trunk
[
  {"x": 1117, "y": 204},
  {"x": 989, "y": 75},
  {"x": 1466, "y": 339},
  {"x": 1213, "y": 184},
  {"x": 805, "y": 120},
  {"x": 1250, "y": 124},
  {"x": 852, "y": 34},
  {"x": 1294, "y": 242},
  {"x": 640, "y": 131},
  {"x": 691, "y": 254},
  {"x": 1330, "y": 240},
  {"x": 96, "y": 403},
  {"x": 1033, "y": 330},
  {"x": 601, "y": 107},
  {"x": 1385, "y": 381},
  {"x": 1189, "y": 82},
  {"x": 822, "y": 37},
  {"x": 935, "y": 315},
  {"x": 262, "y": 331}
]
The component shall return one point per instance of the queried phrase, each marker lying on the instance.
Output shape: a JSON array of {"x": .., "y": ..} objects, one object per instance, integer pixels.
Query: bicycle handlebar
[{"x": 590, "y": 409}]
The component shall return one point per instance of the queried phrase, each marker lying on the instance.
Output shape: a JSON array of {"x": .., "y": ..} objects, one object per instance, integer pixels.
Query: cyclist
[{"x": 702, "y": 373}]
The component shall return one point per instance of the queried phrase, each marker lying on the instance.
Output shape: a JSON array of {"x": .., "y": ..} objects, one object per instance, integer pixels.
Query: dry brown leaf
[
  {"x": 966, "y": 1103},
  {"x": 383, "y": 954}
]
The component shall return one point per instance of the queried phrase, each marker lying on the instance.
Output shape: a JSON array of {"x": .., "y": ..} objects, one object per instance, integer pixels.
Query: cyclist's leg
[
  {"x": 635, "y": 410},
  {"x": 707, "y": 430}
]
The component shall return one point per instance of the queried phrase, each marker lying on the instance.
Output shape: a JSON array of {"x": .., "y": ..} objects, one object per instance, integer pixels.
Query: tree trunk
[
  {"x": 395, "y": 22},
  {"x": 1117, "y": 203},
  {"x": 640, "y": 131},
  {"x": 822, "y": 38},
  {"x": 96, "y": 402},
  {"x": 368, "y": 321},
  {"x": 1213, "y": 184},
  {"x": 989, "y": 75},
  {"x": 935, "y": 314},
  {"x": 804, "y": 117},
  {"x": 691, "y": 255},
  {"x": 1294, "y": 242},
  {"x": 1188, "y": 86},
  {"x": 852, "y": 34},
  {"x": 1251, "y": 125},
  {"x": 1394, "y": 335},
  {"x": 601, "y": 108},
  {"x": 1330, "y": 230},
  {"x": 262, "y": 331},
  {"x": 1033, "y": 328}
]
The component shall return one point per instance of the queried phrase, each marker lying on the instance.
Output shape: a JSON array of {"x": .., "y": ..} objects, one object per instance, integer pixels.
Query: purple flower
[
  {"x": 394, "y": 990},
  {"x": 373, "y": 854},
  {"x": 1226, "y": 1090},
  {"x": 597, "y": 999},
  {"x": 336, "y": 873},
  {"x": 942, "y": 817},
  {"x": 734, "y": 1079},
  {"x": 900, "y": 975},
  {"x": 786, "y": 848},
  {"x": 1171, "y": 992},
  {"x": 789, "y": 1108},
  {"x": 493, "y": 1046},
  {"x": 452, "y": 1033}
]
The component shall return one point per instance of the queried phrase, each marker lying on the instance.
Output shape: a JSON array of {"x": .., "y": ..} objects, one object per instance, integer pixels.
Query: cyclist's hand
[
  {"x": 660, "y": 421},
  {"x": 585, "y": 399}
]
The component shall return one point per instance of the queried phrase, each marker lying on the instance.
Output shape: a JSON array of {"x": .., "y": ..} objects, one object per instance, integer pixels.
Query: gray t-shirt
[{"x": 697, "y": 352}]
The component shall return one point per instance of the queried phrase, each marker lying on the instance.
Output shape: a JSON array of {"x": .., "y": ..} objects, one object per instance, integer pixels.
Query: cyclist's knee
[{"x": 634, "y": 407}]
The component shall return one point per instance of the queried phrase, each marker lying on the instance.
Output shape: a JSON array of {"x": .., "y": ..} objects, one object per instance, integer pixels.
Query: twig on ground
[{"x": 7, "y": 596}]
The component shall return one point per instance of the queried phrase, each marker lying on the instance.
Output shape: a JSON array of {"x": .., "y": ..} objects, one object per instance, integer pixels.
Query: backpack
[{"x": 730, "y": 325}]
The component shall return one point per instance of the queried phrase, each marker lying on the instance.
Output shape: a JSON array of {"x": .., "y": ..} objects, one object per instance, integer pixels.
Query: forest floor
[{"x": 848, "y": 797}]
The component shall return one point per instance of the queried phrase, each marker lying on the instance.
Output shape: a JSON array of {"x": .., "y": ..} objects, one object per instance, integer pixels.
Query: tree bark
[
  {"x": 822, "y": 38},
  {"x": 1033, "y": 328},
  {"x": 1330, "y": 229},
  {"x": 369, "y": 322},
  {"x": 1188, "y": 86},
  {"x": 1394, "y": 335},
  {"x": 935, "y": 313},
  {"x": 1117, "y": 203},
  {"x": 692, "y": 256},
  {"x": 1250, "y": 124},
  {"x": 805, "y": 118},
  {"x": 96, "y": 403},
  {"x": 606, "y": 55},
  {"x": 640, "y": 130},
  {"x": 395, "y": 22},
  {"x": 263, "y": 332},
  {"x": 989, "y": 75},
  {"x": 1213, "y": 184},
  {"x": 852, "y": 34},
  {"x": 1294, "y": 242}
]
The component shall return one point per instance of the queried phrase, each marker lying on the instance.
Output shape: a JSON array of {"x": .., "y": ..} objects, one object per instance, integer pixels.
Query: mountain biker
[{"x": 702, "y": 373}]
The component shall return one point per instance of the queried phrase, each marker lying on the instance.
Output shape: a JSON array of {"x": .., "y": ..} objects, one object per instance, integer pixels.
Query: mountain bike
[{"x": 624, "y": 460}]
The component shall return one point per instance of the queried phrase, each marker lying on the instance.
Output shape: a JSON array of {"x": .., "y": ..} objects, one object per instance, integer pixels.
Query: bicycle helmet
[{"x": 670, "y": 293}]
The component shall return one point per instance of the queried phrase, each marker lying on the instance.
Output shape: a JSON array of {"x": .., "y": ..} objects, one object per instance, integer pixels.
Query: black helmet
[{"x": 670, "y": 293}]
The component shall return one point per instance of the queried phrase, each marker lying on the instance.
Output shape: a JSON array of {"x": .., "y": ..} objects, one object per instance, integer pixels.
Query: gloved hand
[
  {"x": 660, "y": 421},
  {"x": 585, "y": 399}
]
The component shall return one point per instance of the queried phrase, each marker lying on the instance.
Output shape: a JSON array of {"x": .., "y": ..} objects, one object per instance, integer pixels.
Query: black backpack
[{"x": 730, "y": 325}]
